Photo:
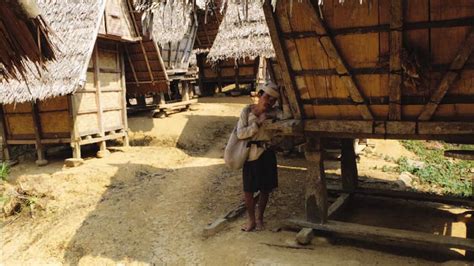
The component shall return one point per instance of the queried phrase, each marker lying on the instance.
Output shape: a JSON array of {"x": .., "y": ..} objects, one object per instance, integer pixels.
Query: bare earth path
[{"x": 149, "y": 204}]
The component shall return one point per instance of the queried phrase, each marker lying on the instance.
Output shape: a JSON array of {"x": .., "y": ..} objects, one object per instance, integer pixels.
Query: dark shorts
[{"x": 261, "y": 174}]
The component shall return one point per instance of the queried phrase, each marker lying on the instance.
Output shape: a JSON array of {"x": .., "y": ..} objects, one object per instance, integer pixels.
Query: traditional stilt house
[
  {"x": 173, "y": 27},
  {"x": 79, "y": 98},
  {"x": 241, "y": 46},
  {"x": 374, "y": 69}
]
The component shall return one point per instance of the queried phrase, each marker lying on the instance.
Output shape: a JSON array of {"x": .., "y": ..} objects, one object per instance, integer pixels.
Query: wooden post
[
  {"x": 185, "y": 95},
  {"x": 219, "y": 76},
  {"x": 5, "y": 149},
  {"x": 200, "y": 58},
  {"x": 124, "y": 95},
  {"x": 41, "y": 161},
  {"x": 348, "y": 165},
  {"x": 103, "y": 152},
  {"x": 237, "y": 86},
  {"x": 396, "y": 43},
  {"x": 316, "y": 199},
  {"x": 162, "y": 98}
]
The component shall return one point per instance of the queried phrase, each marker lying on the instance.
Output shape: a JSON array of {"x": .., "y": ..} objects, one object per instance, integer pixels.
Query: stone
[
  {"x": 73, "y": 162},
  {"x": 415, "y": 164},
  {"x": 103, "y": 153},
  {"x": 215, "y": 227},
  {"x": 11, "y": 206},
  {"x": 305, "y": 236},
  {"x": 406, "y": 178},
  {"x": 41, "y": 162}
]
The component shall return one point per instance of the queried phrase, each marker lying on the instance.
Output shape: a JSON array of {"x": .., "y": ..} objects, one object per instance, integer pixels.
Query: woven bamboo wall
[
  {"x": 247, "y": 72},
  {"x": 100, "y": 105},
  {"x": 53, "y": 117},
  {"x": 433, "y": 33}
]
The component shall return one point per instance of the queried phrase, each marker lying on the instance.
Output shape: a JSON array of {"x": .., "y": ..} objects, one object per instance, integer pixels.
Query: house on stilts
[
  {"x": 374, "y": 69},
  {"x": 240, "y": 49},
  {"x": 79, "y": 98}
]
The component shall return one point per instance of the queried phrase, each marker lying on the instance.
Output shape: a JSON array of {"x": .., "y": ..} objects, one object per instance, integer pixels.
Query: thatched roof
[
  {"x": 75, "y": 25},
  {"x": 242, "y": 34},
  {"x": 20, "y": 25}
]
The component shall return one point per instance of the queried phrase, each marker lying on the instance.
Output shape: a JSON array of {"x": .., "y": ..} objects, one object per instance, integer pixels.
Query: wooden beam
[
  {"x": 237, "y": 86},
  {"x": 448, "y": 79},
  {"x": 131, "y": 66},
  {"x": 124, "y": 97},
  {"x": 396, "y": 44},
  {"x": 341, "y": 66},
  {"x": 284, "y": 127},
  {"x": 41, "y": 160},
  {"x": 388, "y": 236},
  {"x": 408, "y": 195},
  {"x": 283, "y": 60},
  {"x": 338, "y": 204}
]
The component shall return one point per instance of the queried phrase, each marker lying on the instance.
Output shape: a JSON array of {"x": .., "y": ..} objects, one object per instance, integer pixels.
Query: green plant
[
  {"x": 453, "y": 176},
  {"x": 4, "y": 171}
]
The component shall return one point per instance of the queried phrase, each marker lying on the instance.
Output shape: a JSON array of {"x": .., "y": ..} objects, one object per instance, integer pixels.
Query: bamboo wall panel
[
  {"x": 55, "y": 124},
  {"x": 87, "y": 124},
  {"x": 85, "y": 102},
  {"x": 109, "y": 81},
  {"x": 361, "y": 37},
  {"x": 112, "y": 100},
  {"x": 20, "y": 125},
  {"x": 112, "y": 120},
  {"x": 54, "y": 104}
]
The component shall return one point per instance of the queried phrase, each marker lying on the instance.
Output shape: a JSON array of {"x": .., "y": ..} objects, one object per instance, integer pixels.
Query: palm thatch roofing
[
  {"x": 24, "y": 36},
  {"x": 75, "y": 25},
  {"x": 243, "y": 33}
]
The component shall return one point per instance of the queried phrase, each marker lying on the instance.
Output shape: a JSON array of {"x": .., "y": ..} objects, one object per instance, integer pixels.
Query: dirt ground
[{"x": 148, "y": 204}]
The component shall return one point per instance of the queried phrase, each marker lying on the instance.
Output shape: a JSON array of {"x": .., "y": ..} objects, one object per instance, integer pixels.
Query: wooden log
[
  {"x": 388, "y": 236},
  {"x": 305, "y": 236},
  {"x": 41, "y": 160},
  {"x": 283, "y": 60},
  {"x": 316, "y": 198},
  {"x": 448, "y": 79},
  {"x": 408, "y": 195},
  {"x": 460, "y": 154},
  {"x": 349, "y": 173}
]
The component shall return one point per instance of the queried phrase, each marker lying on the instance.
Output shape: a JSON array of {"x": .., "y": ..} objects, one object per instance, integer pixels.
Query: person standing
[{"x": 259, "y": 172}]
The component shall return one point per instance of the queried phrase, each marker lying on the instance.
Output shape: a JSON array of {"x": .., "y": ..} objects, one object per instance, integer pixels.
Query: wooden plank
[
  {"x": 338, "y": 204},
  {"x": 341, "y": 67},
  {"x": 283, "y": 60},
  {"x": 460, "y": 154},
  {"x": 388, "y": 235},
  {"x": 284, "y": 127},
  {"x": 456, "y": 66},
  {"x": 396, "y": 43}
]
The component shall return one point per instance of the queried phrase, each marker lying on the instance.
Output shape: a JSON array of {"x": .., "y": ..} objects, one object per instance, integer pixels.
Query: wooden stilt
[
  {"x": 219, "y": 77},
  {"x": 76, "y": 150},
  {"x": 237, "y": 86},
  {"x": 41, "y": 160},
  {"x": 4, "y": 148},
  {"x": 162, "y": 98},
  {"x": 185, "y": 91},
  {"x": 316, "y": 202},
  {"x": 348, "y": 165}
]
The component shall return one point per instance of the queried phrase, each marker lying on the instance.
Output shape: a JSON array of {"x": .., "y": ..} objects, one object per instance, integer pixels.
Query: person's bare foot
[
  {"x": 249, "y": 227},
  {"x": 259, "y": 226}
]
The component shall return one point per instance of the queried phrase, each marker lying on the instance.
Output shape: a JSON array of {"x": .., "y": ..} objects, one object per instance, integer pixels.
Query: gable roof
[
  {"x": 243, "y": 33},
  {"x": 75, "y": 25}
]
